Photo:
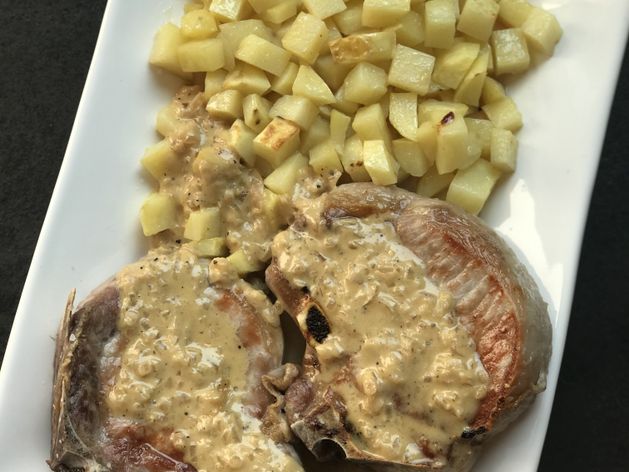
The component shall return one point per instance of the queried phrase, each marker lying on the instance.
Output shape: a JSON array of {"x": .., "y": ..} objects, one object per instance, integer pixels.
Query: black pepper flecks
[{"x": 317, "y": 324}]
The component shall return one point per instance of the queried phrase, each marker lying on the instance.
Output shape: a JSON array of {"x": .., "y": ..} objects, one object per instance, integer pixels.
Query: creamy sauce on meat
[
  {"x": 189, "y": 365},
  {"x": 408, "y": 371}
]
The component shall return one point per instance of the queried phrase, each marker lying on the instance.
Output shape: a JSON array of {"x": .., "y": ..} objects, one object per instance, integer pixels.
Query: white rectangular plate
[{"x": 91, "y": 229}]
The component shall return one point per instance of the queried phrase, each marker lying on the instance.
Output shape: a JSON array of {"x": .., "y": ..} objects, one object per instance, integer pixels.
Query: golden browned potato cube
[
  {"x": 410, "y": 30},
  {"x": 452, "y": 65},
  {"x": 278, "y": 140},
  {"x": 403, "y": 114},
  {"x": 305, "y": 37},
  {"x": 343, "y": 104},
  {"x": 435, "y": 110},
  {"x": 241, "y": 139},
  {"x": 262, "y": 54},
  {"x": 493, "y": 91},
  {"x": 318, "y": 132},
  {"x": 440, "y": 23},
  {"x": 164, "y": 51},
  {"x": 364, "y": 47},
  {"x": 297, "y": 109},
  {"x": 427, "y": 140},
  {"x": 411, "y": 157},
  {"x": 471, "y": 87},
  {"x": 158, "y": 213},
  {"x": 349, "y": 21},
  {"x": 213, "y": 247},
  {"x": 504, "y": 114},
  {"x": 514, "y": 12},
  {"x": 230, "y": 10},
  {"x": 234, "y": 33},
  {"x": 504, "y": 149},
  {"x": 213, "y": 82},
  {"x": 542, "y": 31},
  {"x": 324, "y": 158},
  {"x": 365, "y": 84},
  {"x": 511, "y": 54},
  {"x": 331, "y": 72},
  {"x": 243, "y": 263},
  {"x": 432, "y": 182},
  {"x": 339, "y": 124},
  {"x": 308, "y": 84},
  {"x": 411, "y": 70},
  {"x": 205, "y": 55},
  {"x": 324, "y": 8},
  {"x": 283, "y": 83},
  {"x": 198, "y": 24},
  {"x": 452, "y": 142},
  {"x": 255, "y": 110},
  {"x": 471, "y": 187},
  {"x": 283, "y": 179},
  {"x": 370, "y": 124},
  {"x": 352, "y": 159},
  {"x": 160, "y": 160},
  {"x": 477, "y": 18},
  {"x": 281, "y": 12},
  {"x": 379, "y": 13},
  {"x": 166, "y": 121},
  {"x": 379, "y": 162},
  {"x": 480, "y": 131},
  {"x": 225, "y": 105},
  {"x": 247, "y": 79},
  {"x": 203, "y": 224}
]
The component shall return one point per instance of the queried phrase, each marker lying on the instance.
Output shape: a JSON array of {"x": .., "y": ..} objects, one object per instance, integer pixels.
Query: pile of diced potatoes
[{"x": 400, "y": 92}]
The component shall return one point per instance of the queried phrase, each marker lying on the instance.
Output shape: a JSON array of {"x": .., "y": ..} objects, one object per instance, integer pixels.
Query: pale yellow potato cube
[
  {"x": 493, "y": 91},
  {"x": 343, "y": 104},
  {"x": 260, "y": 6},
  {"x": 339, "y": 124},
  {"x": 471, "y": 187},
  {"x": 166, "y": 121},
  {"x": 159, "y": 212},
  {"x": 352, "y": 159},
  {"x": 278, "y": 140},
  {"x": 410, "y": 156},
  {"x": 452, "y": 65},
  {"x": 370, "y": 124},
  {"x": 434, "y": 110},
  {"x": 225, "y": 105},
  {"x": 452, "y": 142},
  {"x": 324, "y": 8},
  {"x": 243, "y": 263},
  {"x": 380, "y": 13},
  {"x": 403, "y": 114},
  {"x": 511, "y": 54},
  {"x": 198, "y": 24},
  {"x": 241, "y": 139},
  {"x": 247, "y": 79},
  {"x": 471, "y": 87},
  {"x": 297, "y": 109},
  {"x": 363, "y": 47},
  {"x": 230, "y": 10},
  {"x": 234, "y": 33},
  {"x": 164, "y": 51},
  {"x": 504, "y": 114},
  {"x": 379, "y": 162},
  {"x": 160, "y": 160},
  {"x": 203, "y": 224},
  {"x": 331, "y": 72},
  {"x": 276, "y": 208},
  {"x": 213, "y": 82},
  {"x": 283, "y": 83},
  {"x": 263, "y": 167},
  {"x": 318, "y": 132},
  {"x": 480, "y": 131},
  {"x": 477, "y": 18},
  {"x": 440, "y": 24},
  {"x": 427, "y": 140},
  {"x": 213, "y": 247},
  {"x": 365, "y": 84},
  {"x": 504, "y": 149},
  {"x": 308, "y": 84},
  {"x": 205, "y": 55},
  {"x": 350, "y": 21},
  {"x": 411, "y": 69},
  {"x": 283, "y": 179},
  {"x": 333, "y": 35},
  {"x": 542, "y": 31},
  {"x": 188, "y": 7},
  {"x": 514, "y": 12},
  {"x": 281, "y": 12},
  {"x": 305, "y": 37},
  {"x": 324, "y": 158},
  {"x": 410, "y": 30},
  {"x": 262, "y": 54},
  {"x": 432, "y": 182},
  {"x": 255, "y": 111}
]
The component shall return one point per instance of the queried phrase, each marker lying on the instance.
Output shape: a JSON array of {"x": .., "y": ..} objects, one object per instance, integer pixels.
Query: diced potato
[
  {"x": 411, "y": 70},
  {"x": 243, "y": 263},
  {"x": 214, "y": 82},
  {"x": 188, "y": 7},
  {"x": 318, "y": 132},
  {"x": 427, "y": 140},
  {"x": 403, "y": 114},
  {"x": 160, "y": 160},
  {"x": 198, "y": 24},
  {"x": 203, "y": 224},
  {"x": 504, "y": 149},
  {"x": 432, "y": 182},
  {"x": 379, "y": 13},
  {"x": 379, "y": 162},
  {"x": 262, "y": 54},
  {"x": 324, "y": 158},
  {"x": 471, "y": 187},
  {"x": 283, "y": 83},
  {"x": 225, "y": 105},
  {"x": 166, "y": 121},
  {"x": 511, "y": 54},
  {"x": 308, "y": 84},
  {"x": 297, "y": 109},
  {"x": 365, "y": 47},
  {"x": 471, "y": 87},
  {"x": 213, "y": 247},
  {"x": 365, "y": 84},
  {"x": 339, "y": 124},
  {"x": 305, "y": 37},
  {"x": 542, "y": 31},
  {"x": 276, "y": 208},
  {"x": 278, "y": 140},
  {"x": 331, "y": 72},
  {"x": 205, "y": 55},
  {"x": 440, "y": 23},
  {"x": 350, "y": 21},
  {"x": 164, "y": 51},
  {"x": 411, "y": 157},
  {"x": 256, "y": 112},
  {"x": 452, "y": 141},
  {"x": 283, "y": 179},
  {"x": 352, "y": 159},
  {"x": 435, "y": 110},
  {"x": 452, "y": 65},
  {"x": 158, "y": 213},
  {"x": 263, "y": 167},
  {"x": 260, "y": 6},
  {"x": 410, "y": 30},
  {"x": 324, "y": 8},
  {"x": 370, "y": 124},
  {"x": 504, "y": 114},
  {"x": 230, "y": 10},
  {"x": 477, "y": 18},
  {"x": 281, "y": 12},
  {"x": 241, "y": 139},
  {"x": 343, "y": 104},
  {"x": 333, "y": 35},
  {"x": 514, "y": 12},
  {"x": 480, "y": 131},
  {"x": 234, "y": 33},
  {"x": 247, "y": 79}
]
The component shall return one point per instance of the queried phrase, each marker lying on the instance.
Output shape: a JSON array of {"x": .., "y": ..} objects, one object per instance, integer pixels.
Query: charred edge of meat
[
  {"x": 317, "y": 324},
  {"x": 471, "y": 433}
]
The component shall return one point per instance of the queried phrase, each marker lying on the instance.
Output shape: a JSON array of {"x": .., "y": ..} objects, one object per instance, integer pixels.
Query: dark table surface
[{"x": 45, "y": 52}]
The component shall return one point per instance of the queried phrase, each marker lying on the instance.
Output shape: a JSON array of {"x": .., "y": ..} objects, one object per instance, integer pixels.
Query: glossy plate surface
[{"x": 91, "y": 229}]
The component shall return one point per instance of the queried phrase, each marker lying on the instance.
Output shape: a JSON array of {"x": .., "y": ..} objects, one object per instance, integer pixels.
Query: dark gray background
[{"x": 45, "y": 52}]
